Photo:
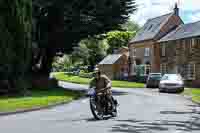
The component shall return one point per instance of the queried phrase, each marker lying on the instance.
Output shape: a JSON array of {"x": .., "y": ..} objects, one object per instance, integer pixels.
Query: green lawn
[
  {"x": 79, "y": 80},
  {"x": 38, "y": 98},
  {"x": 194, "y": 93}
]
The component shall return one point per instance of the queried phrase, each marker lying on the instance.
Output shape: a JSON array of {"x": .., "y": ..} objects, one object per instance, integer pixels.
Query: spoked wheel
[
  {"x": 97, "y": 115},
  {"x": 114, "y": 112}
]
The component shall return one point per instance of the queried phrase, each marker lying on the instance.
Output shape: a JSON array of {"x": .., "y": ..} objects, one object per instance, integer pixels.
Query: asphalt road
[{"x": 140, "y": 111}]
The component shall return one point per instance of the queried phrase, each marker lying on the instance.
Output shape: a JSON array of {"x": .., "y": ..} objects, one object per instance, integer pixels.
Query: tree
[
  {"x": 64, "y": 23},
  {"x": 90, "y": 51},
  {"x": 80, "y": 54},
  {"x": 62, "y": 64},
  {"x": 15, "y": 48},
  {"x": 117, "y": 39},
  {"x": 130, "y": 26}
]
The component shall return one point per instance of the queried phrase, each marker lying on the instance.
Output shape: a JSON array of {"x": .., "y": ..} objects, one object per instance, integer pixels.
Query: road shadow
[
  {"x": 91, "y": 120},
  {"x": 119, "y": 93},
  {"x": 95, "y": 120},
  {"x": 145, "y": 126}
]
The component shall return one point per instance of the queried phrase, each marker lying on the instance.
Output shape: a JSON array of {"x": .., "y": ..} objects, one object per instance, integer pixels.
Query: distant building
[{"x": 116, "y": 66}]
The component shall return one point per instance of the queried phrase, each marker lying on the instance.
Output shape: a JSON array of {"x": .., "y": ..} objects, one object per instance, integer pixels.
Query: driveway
[{"x": 140, "y": 111}]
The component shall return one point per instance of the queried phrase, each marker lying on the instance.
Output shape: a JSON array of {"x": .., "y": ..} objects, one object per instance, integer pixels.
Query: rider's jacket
[{"x": 102, "y": 82}]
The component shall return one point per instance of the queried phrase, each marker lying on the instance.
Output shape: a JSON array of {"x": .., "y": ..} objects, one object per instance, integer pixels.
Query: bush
[
  {"x": 62, "y": 64},
  {"x": 83, "y": 74}
]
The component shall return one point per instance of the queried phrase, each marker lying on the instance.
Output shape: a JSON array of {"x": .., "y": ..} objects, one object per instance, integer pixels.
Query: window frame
[
  {"x": 189, "y": 74},
  {"x": 184, "y": 42},
  {"x": 163, "y": 50},
  {"x": 198, "y": 41},
  {"x": 191, "y": 44},
  {"x": 146, "y": 52}
]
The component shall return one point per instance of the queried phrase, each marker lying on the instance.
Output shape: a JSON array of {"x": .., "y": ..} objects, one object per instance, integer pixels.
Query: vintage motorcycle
[{"x": 105, "y": 107}]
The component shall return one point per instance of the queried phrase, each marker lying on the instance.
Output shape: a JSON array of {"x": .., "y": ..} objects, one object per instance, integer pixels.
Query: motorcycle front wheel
[{"x": 97, "y": 115}]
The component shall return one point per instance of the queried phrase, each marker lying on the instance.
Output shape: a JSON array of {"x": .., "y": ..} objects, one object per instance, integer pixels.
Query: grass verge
[
  {"x": 38, "y": 98},
  {"x": 194, "y": 93},
  {"x": 79, "y": 80}
]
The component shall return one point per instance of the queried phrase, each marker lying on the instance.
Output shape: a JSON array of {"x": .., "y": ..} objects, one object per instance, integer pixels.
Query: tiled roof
[
  {"x": 110, "y": 59},
  {"x": 183, "y": 31},
  {"x": 151, "y": 28}
]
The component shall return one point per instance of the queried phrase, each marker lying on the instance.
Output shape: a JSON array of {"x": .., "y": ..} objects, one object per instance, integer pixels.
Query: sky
[{"x": 189, "y": 10}]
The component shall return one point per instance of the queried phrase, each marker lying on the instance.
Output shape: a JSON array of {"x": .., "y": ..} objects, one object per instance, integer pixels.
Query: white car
[{"x": 171, "y": 83}]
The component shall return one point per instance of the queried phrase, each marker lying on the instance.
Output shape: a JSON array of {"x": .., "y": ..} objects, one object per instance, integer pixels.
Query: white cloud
[
  {"x": 190, "y": 5},
  {"x": 195, "y": 17},
  {"x": 152, "y": 8}
]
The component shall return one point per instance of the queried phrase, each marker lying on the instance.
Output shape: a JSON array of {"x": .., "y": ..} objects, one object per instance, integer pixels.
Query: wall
[
  {"x": 107, "y": 70},
  {"x": 139, "y": 54},
  {"x": 114, "y": 71}
]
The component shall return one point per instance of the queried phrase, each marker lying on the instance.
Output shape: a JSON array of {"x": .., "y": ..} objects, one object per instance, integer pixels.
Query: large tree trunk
[
  {"x": 50, "y": 40},
  {"x": 46, "y": 63},
  {"x": 40, "y": 77}
]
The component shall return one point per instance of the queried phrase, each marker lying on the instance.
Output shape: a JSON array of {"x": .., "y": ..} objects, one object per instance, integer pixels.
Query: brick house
[
  {"x": 144, "y": 47},
  {"x": 169, "y": 45},
  {"x": 115, "y": 66},
  {"x": 180, "y": 52}
]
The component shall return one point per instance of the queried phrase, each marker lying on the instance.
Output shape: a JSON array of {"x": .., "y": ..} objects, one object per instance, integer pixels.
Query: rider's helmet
[{"x": 97, "y": 71}]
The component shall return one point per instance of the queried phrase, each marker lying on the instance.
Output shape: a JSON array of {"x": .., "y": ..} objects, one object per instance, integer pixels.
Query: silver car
[{"x": 171, "y": 83}]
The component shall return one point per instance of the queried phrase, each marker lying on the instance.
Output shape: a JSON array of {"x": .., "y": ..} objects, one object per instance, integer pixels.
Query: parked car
[
  {"x": 153, "y": 80},
  {"x": 171, "y": 83}
]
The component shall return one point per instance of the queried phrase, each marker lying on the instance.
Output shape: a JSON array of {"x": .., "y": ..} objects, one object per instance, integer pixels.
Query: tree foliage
[
  {"x": 90, "y": 51},
  {"x": 15, "y": 40},
  {"x": 62, "y": 64},
  {"x": 130, "y": 26},
  {"x": 69, "y": 21},
  {"x": 117, "y": 39}
]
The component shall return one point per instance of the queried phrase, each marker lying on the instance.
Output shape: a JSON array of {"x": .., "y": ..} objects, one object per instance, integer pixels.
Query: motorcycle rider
[{"x": 102, "y": 85}]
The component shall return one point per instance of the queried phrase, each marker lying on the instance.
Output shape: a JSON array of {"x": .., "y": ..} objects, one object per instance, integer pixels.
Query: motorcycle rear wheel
[{"x": 114, "y": 110}]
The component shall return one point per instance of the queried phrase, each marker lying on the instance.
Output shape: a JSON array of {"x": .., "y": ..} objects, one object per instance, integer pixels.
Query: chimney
[{"x": 176, "y": 10}]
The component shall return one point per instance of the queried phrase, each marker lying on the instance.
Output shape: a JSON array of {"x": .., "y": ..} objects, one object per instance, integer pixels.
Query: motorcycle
[{"x": 105, "y": 107}]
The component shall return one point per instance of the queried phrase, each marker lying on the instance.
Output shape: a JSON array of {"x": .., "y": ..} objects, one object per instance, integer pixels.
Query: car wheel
[{"x": 180, "y": 90}]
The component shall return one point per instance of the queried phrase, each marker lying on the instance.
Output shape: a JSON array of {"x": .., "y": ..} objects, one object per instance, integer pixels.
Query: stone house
[{"x": 115, "y": 66}]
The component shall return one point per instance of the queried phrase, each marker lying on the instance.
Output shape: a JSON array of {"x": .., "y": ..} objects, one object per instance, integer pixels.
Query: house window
[
  {"x": 190, "y": 71},
  {"x": 191, "y": 43},
  {"x": 163, "y": 68},
  {"x": 133, "y": 52},
  {"x": 163, "y": 50},
  {"x": 198, "y": 41},
  {"x": 184, "y": 45},
  {"x": 147, "y": 52}
]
